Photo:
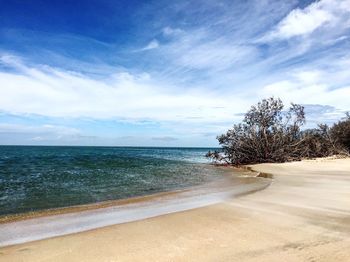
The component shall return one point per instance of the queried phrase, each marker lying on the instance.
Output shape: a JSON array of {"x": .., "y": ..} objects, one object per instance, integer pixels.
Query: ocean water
[{"x": 39, "y": 178}]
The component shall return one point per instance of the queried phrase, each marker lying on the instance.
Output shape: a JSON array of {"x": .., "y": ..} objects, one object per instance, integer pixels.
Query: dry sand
[{"x": 303, "y": 216}]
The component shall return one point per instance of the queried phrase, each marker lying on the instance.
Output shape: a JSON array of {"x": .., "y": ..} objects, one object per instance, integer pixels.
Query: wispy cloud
[
  {"x": 38, "y": 129},
  {"x": 165, "y": 138},
  {"x": 53, "y": 92},
  {"x": 190, "y": 69},
  {"x": 151, "y": 45},
  {"x": 29, "y": 134}
]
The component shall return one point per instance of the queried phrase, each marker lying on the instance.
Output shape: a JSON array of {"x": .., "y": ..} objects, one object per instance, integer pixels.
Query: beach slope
[{"x": 304, "y": 215}]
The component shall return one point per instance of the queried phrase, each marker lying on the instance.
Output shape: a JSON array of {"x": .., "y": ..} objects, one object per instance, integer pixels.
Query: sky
[{"x": 165, "y": 73}]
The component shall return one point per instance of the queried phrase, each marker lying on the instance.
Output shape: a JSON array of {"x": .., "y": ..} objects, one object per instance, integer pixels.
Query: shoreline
[
  {"x": 85, "y": 207},
  {"x": 24, "y": 228},
  {"x": 124, "y": 201},
  {"x": 304, "y": 215}
]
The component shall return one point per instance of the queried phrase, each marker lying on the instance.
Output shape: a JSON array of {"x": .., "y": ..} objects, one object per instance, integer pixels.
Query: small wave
[{"x": 135, "y": 209}]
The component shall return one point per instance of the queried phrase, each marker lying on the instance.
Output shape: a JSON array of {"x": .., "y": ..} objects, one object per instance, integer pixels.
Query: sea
[{"x": 36, "y": 178}]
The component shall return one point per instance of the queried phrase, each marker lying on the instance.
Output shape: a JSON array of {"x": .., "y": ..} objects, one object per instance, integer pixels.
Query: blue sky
[{"x": 165, "y": 73}]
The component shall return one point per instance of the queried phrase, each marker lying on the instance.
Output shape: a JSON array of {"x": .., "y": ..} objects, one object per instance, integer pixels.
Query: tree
[
  {"x": 340, "y": 134},
  {"x": 270, "y": 134},
  {"x": 317, "y": 142},
  {"x": 266, "y": 134}
]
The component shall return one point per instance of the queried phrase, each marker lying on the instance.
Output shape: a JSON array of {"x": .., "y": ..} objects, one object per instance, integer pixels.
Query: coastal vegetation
[{"x": 269, "y": 133}]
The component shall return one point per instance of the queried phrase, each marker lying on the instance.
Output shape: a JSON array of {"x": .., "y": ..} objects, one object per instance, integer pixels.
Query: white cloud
[
  {"x": 204, "y": 67},
  {"x": 301, "y": 22},
  {"x": 33, "y": 133},
  {"x": 38, "y": 138},
  {"x": 203, "y": 74},
  {"x": 38, "y": 129},
  {"x": 214, "y": 55},
  {"x": 169, "y": 31},
  {"x": 310, "y": 87},
  {"x": 197, "y": 49},
  {"x": 151, "y": 45},
  {"x": 165, "y": 138},
  {"x": 320, "y": 14},
  {"x": 52, "y": 92},
  {"x": 308, "y": 77}
]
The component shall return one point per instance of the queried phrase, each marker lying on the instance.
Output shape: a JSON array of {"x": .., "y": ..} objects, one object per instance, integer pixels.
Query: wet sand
[{"x": 304, "y": 215}]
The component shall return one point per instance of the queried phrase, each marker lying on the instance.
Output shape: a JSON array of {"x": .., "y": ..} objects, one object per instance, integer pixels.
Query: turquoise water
[{"x": 38, "y": 178}]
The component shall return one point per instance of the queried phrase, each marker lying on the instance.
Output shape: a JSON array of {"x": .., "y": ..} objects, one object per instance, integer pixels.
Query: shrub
[
  {"x": 340, "y": 134},
  {"x": 317, "y": 143},
  {"x": 270, "y": 134},
  {"x": 266, "y": 134}
]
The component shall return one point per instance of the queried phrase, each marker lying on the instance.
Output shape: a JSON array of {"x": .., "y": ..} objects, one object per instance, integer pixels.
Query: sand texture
[{"x": 304, "y": 215}]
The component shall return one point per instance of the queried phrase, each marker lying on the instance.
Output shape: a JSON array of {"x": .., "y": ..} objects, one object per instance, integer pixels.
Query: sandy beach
[{"x": 304, "y": 215}]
